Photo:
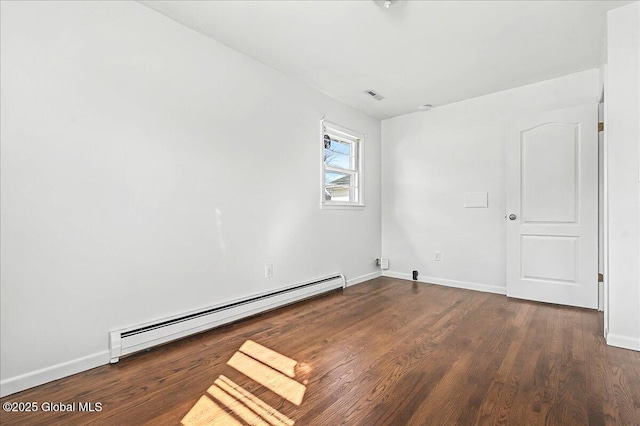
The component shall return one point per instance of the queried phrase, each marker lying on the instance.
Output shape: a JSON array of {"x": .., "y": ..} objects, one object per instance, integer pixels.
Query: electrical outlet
[
  {"x": 268, "y": 271},
  {"x": 436, "y": 255}
]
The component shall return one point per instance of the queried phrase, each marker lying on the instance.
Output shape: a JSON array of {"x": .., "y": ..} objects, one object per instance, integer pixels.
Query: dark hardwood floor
[{"x": 386, "y": 352}]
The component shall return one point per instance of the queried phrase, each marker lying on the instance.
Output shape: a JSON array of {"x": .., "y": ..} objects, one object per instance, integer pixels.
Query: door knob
[{"x": 512, "y": 216}]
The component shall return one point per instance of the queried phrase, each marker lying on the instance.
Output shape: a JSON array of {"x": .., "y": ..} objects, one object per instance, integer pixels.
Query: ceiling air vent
[{"x": 374, "y": 95}]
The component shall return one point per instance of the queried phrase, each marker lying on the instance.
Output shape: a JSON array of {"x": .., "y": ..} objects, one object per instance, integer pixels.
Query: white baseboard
[
  {"x": 487, "y": 288},
  {"x": 35, "y": 378},
  {"x": 624, "y": 342},
  {"x": 363, "y": 278}
]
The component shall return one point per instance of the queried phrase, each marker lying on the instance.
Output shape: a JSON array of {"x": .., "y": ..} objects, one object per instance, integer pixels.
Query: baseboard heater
[{"x": 133, "y": 339}]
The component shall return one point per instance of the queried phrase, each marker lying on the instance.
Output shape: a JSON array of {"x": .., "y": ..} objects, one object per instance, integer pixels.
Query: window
[{"x": 341, "y": 167}]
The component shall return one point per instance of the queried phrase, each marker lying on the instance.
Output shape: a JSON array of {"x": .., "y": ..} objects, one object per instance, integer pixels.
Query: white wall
[
  {"x": 147, "y": 171},
  {"x": 430, "y": 159},
  {"x": 622, "y": 104}
]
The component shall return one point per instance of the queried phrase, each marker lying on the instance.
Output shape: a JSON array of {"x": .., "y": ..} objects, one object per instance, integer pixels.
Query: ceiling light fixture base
[{"x": 386, "y": 3}]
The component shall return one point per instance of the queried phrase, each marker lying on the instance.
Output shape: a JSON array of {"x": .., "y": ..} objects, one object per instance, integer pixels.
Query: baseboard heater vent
[{"x": 133, "y": 339}]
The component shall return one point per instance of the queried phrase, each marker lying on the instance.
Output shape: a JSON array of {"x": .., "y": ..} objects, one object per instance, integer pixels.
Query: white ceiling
[{"x": 416, "y": 52}]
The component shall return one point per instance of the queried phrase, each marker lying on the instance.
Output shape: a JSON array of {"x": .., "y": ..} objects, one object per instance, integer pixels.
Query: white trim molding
[
  {"x": 342, "y": 206},
  {"x": 486, "y": 288},
  {"x": 48, "y": 374},
  {"x": 363, "y": 278},
  {"x": 624, "y": 342}
]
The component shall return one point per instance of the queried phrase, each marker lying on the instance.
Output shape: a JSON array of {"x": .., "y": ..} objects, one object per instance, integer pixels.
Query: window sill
[{"x": 341, "y": 206}]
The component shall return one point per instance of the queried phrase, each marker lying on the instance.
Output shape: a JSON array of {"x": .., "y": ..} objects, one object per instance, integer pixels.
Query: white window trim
[{"x": 341, "y": 205}]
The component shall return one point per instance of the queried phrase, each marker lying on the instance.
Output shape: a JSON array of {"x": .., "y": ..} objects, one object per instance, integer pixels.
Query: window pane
[
  {"x": 336, "y": 178},
  {"x": 338, "y": 146},
  {"x": 339, "y": 154},
  {"x": 336, "y": 159},
  {"x": 339, "y": 193},
  {"x": 341, "y": 187}
]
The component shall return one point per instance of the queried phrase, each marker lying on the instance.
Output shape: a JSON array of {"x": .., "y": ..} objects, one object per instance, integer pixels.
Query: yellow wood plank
[
  {"x": 270, "y": 357},
  {"x": 238, "y": 408},
  {"x": 272, "y": 379},
  {"x": 207, "y": 412},
  {"x": 266, "y": 411}
]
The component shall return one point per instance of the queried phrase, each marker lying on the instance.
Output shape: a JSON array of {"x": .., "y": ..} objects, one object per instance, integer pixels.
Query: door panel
[
  {"x": 552, "y": 190},
  {"x": 549, "y": 164},
  {"x": 549, "y": 258}
]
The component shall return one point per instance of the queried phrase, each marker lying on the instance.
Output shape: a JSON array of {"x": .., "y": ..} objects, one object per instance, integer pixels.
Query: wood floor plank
[
  {"x": 499, "y": 396},
  {"x": 385, "y": 352},
  {"x": 602, "y": 407}
]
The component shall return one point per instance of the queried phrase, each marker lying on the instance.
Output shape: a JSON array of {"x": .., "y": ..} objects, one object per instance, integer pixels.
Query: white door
[{"x": 552, "y": 207}]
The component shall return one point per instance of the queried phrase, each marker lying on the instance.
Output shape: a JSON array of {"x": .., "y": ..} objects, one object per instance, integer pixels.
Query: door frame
[{"x": 605, "y": 205}]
